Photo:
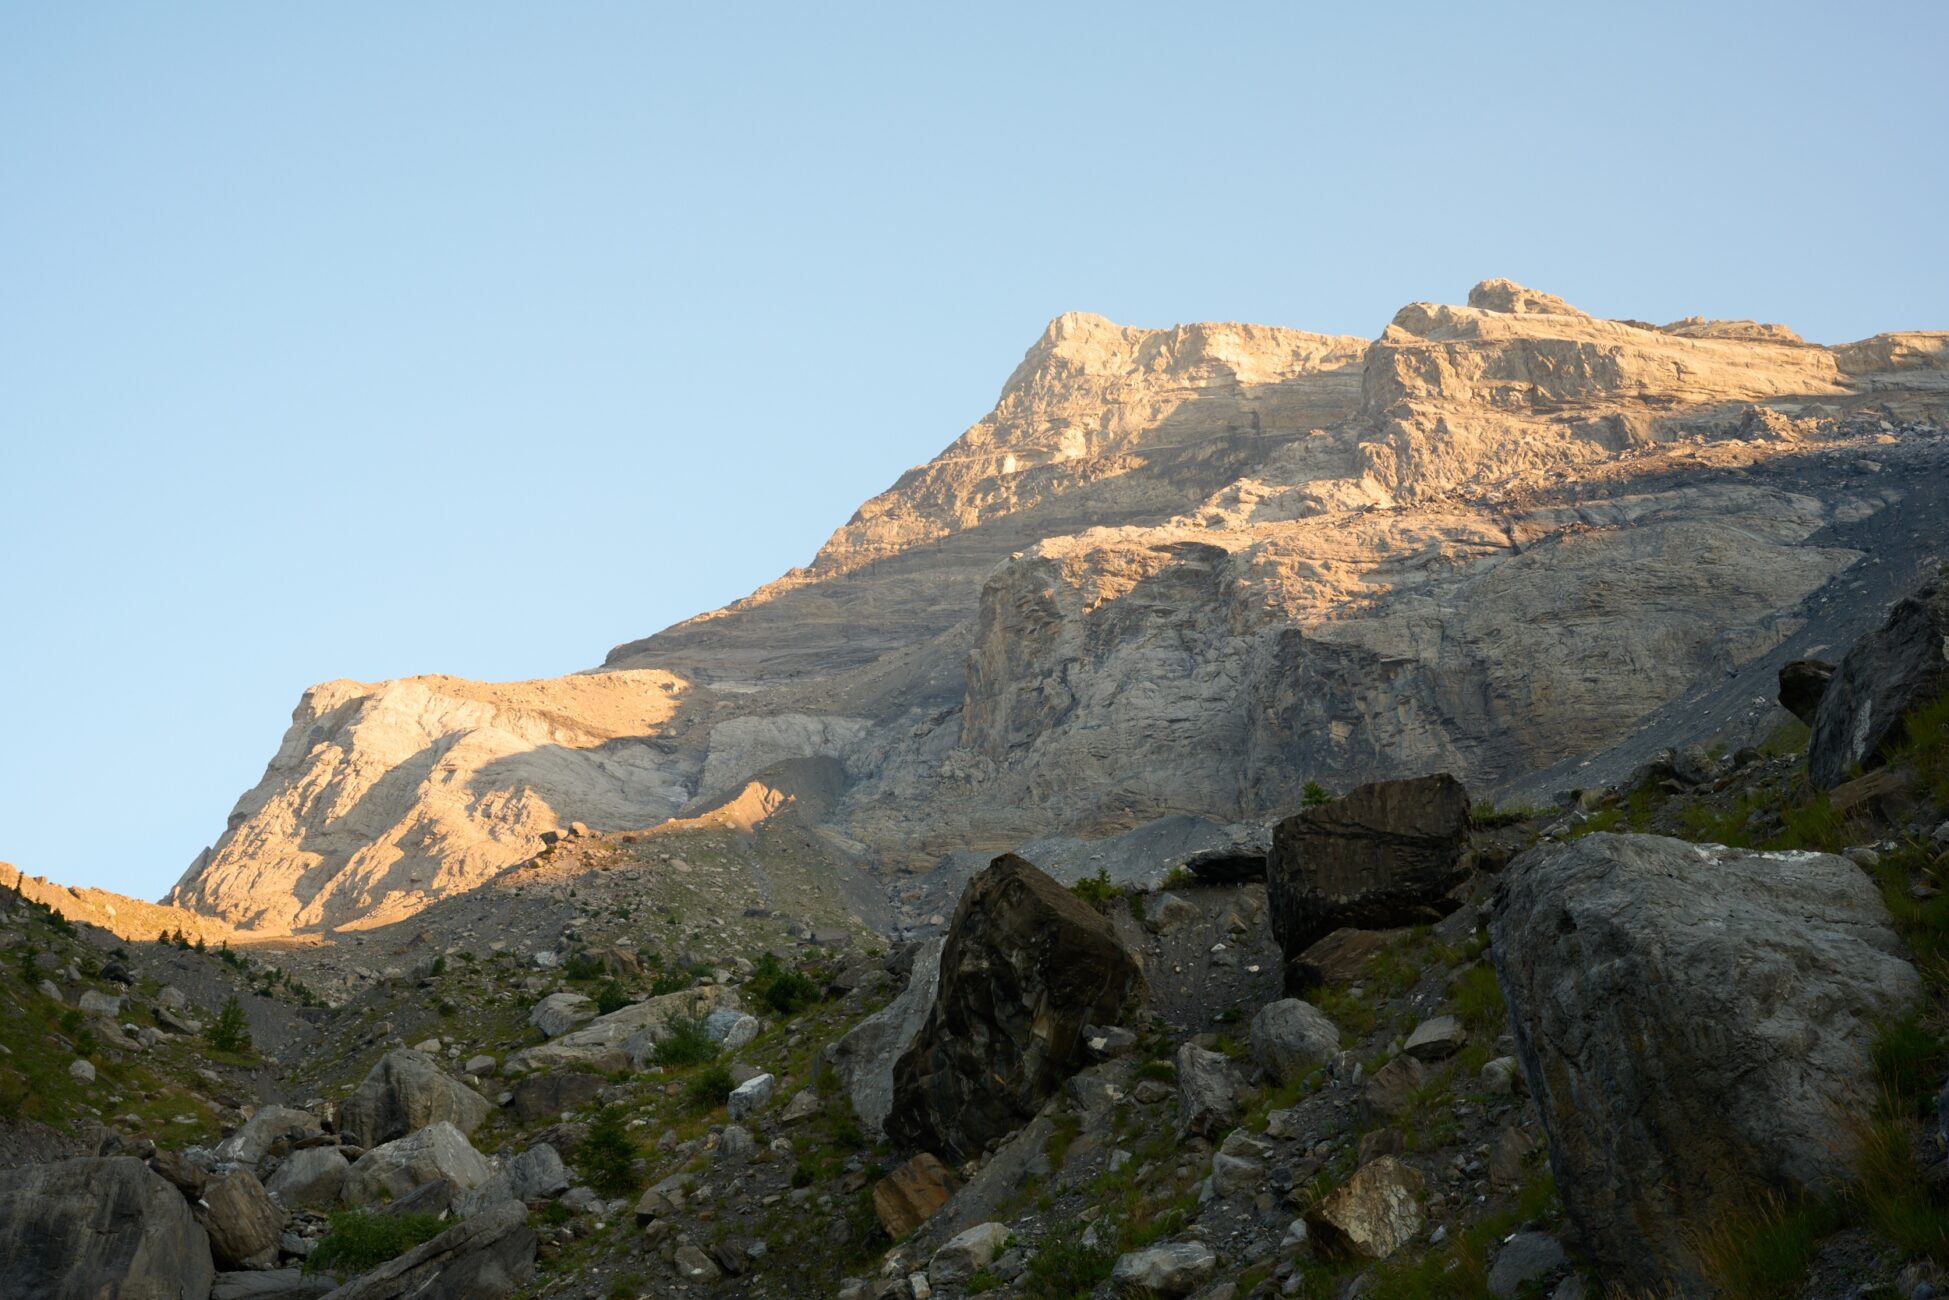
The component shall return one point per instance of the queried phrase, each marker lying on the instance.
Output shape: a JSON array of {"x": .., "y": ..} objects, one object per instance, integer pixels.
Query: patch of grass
[
  {"x": 356, "y": 1241},
  {"x": 1909, "y": 1058},
  {"x": 1889, "y": 1194},
  {"x": 1811, "y": 825},
  {"x": 1925, "y": 746},
  {"x": 1604, "y": 819},
  {"x": 1068, "y": 1129},
  {"x": 685, "y": 1041},
  {"x": 1476, "y": 996},
  {"x": 1063, "y": 1267},
  {"x": 1355, "y": 1017},
  {"x": 1314, "y": 794},
  {"x": 669, "y": 982},
  {"x": 1763, "y": 1252}
]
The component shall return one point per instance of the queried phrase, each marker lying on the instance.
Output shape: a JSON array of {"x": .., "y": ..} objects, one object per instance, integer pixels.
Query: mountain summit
[{"x": 1178, "y": 572}]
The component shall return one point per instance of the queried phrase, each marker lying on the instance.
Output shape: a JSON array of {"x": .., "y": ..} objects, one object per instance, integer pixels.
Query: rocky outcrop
[
  {"x": 1388, "y": 854},
  {"x": 1691, "y": 1019},
  {"x": 405, "y": 1092},
  {"x": 99, "y": 1229},
  {"x": 483, "y": 1258},
  {"x": 1025, "y": 967},
  {"x": 1899, "y": 667}
]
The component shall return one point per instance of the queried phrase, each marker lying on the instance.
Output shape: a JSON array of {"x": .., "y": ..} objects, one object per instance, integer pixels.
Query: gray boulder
[
  {"x": 309, "y": 1179},
  {"x": 404, "y": 1093},
  {"x": 543, "y": 1095},
  {"x": 558, "y": 1013},
  {"x": 487, "y": 1257},
  {"x": 1720, "y": 1002},
  {"x": 99, "y": 1229},
  {"x": 864, "y": 1059},
  {"x": 1026, "y": 966},
  {"x": 1290, "y": 1037},
  {"x": 270, "y": 1284},
  {"x": 437, "y": 1151},
  {"x": 1175, "y": 1269},
  {"x": 1523, "y": 1259},
  {"x": 244, "y": 1223},
  {"x": 1387, "y": 854},
  {"x": 1207, "y": 1093},
  {"x": 535, "y": 1174},
  {"x": 270, "y": 1126},
  {"x": 750, "y": 1096},
  {"x": 1902, "y": 664}
]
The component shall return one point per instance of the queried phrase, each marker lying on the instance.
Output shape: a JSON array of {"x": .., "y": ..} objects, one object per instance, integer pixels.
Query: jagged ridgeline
[{"x": 1182, "y": 572}]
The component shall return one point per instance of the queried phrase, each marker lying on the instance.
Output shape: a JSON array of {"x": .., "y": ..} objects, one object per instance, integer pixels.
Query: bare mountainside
[{"x": 1175, "y": 571}]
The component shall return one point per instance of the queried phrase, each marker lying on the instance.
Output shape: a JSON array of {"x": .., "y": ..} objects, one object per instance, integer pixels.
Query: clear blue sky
[{"x": 361, "y": 340}]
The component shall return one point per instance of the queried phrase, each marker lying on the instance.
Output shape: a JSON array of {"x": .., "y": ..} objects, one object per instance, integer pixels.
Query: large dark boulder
[
  {"x": 403, "y": 1094},
  {"x": 1026, "y": 965},
  {"x": 1802, "y": 683},
  {"x": 1901, "y": 665},
  {"x": 99, "y": 1229},
  {"x": 1387, "y": 854},
  {"x": 1693, "y": 1022}
]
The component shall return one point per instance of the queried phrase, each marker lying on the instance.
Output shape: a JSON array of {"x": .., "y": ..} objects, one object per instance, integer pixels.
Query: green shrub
[
  {"x": 685, "y": 1041},
  {"x": 581, "y": 966},
  {"x": 611, "y": 997},
  {"x": 1063, "y": 1267},
  {"x": 708, "y": 1088},
  {"x": 669, "y": 982},
  {"x": 1314, "y": 794},
  {"x": 607, "y": 1156},
  {"x": 230, "y": 1032},
  {"x": 1096, "y": 890},
  {"x": 791, "y": 993},
  {"x": 356, "y": 1241}
]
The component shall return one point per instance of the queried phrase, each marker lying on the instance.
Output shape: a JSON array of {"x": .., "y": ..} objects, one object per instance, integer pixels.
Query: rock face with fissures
[{"x": 1693, "y": 1021}]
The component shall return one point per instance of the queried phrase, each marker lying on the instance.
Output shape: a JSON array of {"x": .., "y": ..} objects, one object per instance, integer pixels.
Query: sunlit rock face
[{"x": 1177, "y": 571}]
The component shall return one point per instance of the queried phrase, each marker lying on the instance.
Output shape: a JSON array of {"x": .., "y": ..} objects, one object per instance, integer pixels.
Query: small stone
[
  {"x": 83, "y": 1071},
  {"x": 1436, "y": 1039},
  {"x": 693, "y": 1265}
]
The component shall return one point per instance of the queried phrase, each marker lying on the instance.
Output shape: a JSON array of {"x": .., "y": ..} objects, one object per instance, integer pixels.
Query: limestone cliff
[{"x": 1173, "y": 571}]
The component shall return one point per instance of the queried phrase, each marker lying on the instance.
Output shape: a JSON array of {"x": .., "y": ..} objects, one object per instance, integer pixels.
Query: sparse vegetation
[
  {"x": 359, "y": 1240},
  {"x": 685, "y": 1041}
]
